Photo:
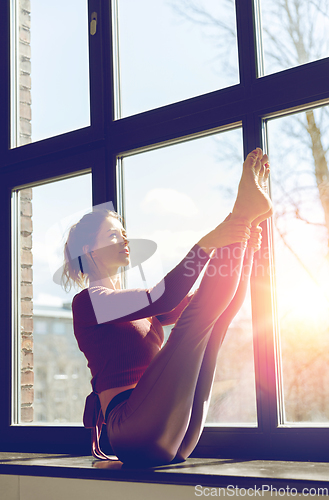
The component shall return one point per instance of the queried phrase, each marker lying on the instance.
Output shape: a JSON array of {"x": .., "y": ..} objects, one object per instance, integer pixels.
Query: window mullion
[
  {"x": 16, "y": 301},
  {"x": 96, "y": 42},
  {"x": 116, "y": 86},
  {"x": 262, "y": 311},
  {"x": 246, "y": 41},
  {"x": 263, "y": 320}
]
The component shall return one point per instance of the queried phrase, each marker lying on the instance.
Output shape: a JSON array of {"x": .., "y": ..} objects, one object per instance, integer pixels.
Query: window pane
[
  {"x": 173, "y": 196},
  {"x": 171, "y": 51},
  {"x": 50, "y": 69},
  {"x": 294, "y": 32},
  {"x": 300, "y": 190},
  {"x": 52, "y": 376}
]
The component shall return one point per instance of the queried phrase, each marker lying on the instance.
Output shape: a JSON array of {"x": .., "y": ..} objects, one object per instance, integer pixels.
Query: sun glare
[{"x": 308, "y": 303}]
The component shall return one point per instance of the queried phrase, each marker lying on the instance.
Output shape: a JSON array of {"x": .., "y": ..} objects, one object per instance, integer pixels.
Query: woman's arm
[
  {"x": 102, "y": 305},
  {"x": 170, "y": 317},
  {"x": 97, "y": 304}
]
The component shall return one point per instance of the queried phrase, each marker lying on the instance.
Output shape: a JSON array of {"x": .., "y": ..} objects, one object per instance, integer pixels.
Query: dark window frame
[{"x": 98, "y": 147}]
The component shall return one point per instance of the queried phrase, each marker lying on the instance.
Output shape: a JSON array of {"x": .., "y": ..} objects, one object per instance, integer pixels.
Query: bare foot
[
  {"x": 262, "y": 181},
  {"x": 252, "y": 201}
]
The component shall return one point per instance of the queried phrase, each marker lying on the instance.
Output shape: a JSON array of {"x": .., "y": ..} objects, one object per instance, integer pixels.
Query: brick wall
[
  {"x": 25, "y": 137},
  {"x": 24, "y": 77},
  {"x": 26, "y": 281}
]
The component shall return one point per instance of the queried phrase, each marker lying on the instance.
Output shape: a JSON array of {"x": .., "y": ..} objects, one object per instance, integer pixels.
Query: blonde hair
[{"x": 84, "y": 232}]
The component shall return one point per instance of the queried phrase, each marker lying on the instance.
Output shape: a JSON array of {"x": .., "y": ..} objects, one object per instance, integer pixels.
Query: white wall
[{"x": 48, "y": 488}]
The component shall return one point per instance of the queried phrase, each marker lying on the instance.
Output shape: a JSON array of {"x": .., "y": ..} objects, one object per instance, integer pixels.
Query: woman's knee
[
  {"x": 159, "y": 453},
  {"x": 146, "y": 455}
]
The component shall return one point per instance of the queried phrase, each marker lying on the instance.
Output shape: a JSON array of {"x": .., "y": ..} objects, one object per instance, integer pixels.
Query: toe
[
  {"x": 253, "y": 155},
  {"x": 251, "y": 159},
  {"x": 261, "y": 173},
  {"x": 258, "y": 166},
  {"x": 264, "y": 159},
  {"x": 266, "y": 174}
]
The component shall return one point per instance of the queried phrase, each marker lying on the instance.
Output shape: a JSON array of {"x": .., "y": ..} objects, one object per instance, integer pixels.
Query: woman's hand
[
  {"x": 255, "y": 239},
  {"x": 232, "y": 230}
]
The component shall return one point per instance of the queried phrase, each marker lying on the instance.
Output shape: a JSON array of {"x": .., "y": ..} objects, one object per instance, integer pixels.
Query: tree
[{"x": 294, "y": 32}]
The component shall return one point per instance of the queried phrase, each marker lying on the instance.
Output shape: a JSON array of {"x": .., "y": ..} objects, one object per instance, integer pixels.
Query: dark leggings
[{"x": 164, "y": 415}]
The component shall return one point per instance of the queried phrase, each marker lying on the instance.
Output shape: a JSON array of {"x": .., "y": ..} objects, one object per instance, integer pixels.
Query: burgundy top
[{"x": 112, "y": 330}]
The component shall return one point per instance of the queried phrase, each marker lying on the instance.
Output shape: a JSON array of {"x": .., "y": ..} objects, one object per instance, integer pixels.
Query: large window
[
  {"x": 294, "y": 33},
  {"x": 170, "y": 58},
  {"x": 298, "y": 144},
  {"x": 49, "y": 79},
  {"x": 155, "y": 108},
  {"x": 46, "y": 355}
]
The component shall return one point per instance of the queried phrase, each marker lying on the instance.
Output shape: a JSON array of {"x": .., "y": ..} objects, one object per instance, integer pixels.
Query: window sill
[{"x": 207, "y": 472}]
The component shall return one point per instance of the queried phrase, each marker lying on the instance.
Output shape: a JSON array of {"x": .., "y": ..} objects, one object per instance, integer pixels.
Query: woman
[{"x": 154, "y": 400}]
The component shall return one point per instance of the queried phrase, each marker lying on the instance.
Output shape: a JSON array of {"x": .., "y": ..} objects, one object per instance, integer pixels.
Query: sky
[
  {"x": 59, "y": 62},
  {"x": 156, "y": 69},
  {"x": 309, "y": 29},
  {"x": 164, "y": 58}
]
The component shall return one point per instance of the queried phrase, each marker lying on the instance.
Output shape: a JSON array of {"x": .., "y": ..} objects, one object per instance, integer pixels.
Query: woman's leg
[
  {"x": 208, "y": 367},
  {"x": 150, "y": 426}
]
